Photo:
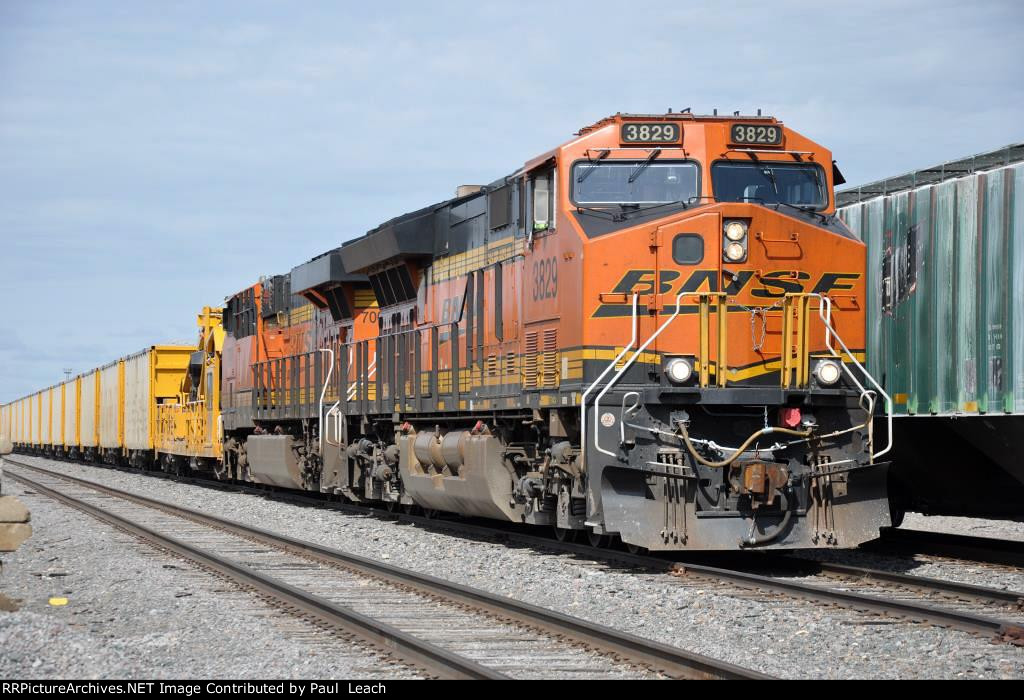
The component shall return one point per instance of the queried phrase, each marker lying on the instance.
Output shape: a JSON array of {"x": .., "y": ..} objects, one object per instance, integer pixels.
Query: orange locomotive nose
[{"x": 753, "y": 283}]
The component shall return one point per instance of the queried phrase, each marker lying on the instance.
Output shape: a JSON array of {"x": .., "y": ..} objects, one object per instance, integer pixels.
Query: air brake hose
[{"x": 741, "y": 449}]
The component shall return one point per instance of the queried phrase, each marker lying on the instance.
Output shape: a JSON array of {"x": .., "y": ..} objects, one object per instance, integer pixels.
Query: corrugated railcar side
[{"x": 946, "y": 330}]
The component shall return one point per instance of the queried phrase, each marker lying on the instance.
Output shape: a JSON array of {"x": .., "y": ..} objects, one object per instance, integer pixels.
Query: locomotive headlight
[
  {"x": 827, "y": 372},
  {"x": 679, "y": 370},
  {"x": 735, "y": 251},
  {"x": 735, "y": 230}
]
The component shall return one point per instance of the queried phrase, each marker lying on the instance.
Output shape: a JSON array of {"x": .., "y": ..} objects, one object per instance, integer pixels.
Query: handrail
[
  {"x": 704, "y": 308},
  {"x": 370, "y": 372},
  {"x": 583, "y": 399},
  {"x": 802, "y": 366},
  {"x": 618, "y": 374},
  {"x": 333, "y": 410},
  {"x": 790, "y": 362},
  {"x": 825, "y": 314},
  {"x": 830, "y": 332},
  {"x": 323, "y": 392}
]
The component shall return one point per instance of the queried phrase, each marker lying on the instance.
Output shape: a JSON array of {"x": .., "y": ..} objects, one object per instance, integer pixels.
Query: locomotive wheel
[
  {"x": 898, "y": 501},
  {"x": 392, "y": 506},
  {"x": 596, "y": 540},
  {"x": 409, "y": 508},
  {"x": 565, "y": 534}
]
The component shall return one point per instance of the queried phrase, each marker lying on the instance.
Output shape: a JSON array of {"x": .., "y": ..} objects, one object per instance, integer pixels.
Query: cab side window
[{"x": 542, "y": 198}]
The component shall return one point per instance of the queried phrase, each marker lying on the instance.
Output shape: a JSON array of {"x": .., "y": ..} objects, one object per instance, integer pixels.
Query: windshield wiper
[
  {"x": 770, "y": 174},
  {"x": 640, "y": 168},
  {"x": 684, "y": 202},
  {"x": 628, "y": 208},
  {"x": 586, "y": 173},
  {"x": 807, "y": 209},
  {"x": 595, "y": 210}
]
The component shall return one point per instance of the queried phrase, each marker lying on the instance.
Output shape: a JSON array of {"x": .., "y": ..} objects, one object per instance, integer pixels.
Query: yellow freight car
[
  {"x": 45, "y": 418},
  {"x": 36, "y": 410},
  {"x": 107, "y": 414},
  {"x": 89, "y": 406},
  {"x": 26, "y": 420},
  {"x": 151, "y": 377},
  {"x": 72, "y": 400},
  {"x": 15, "y": 422},
  {"x": 188, "y": 427},
  {"x": 111, "y": 412}
]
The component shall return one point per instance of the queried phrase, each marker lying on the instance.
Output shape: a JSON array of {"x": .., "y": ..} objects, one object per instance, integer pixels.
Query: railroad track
[
  {"x": 988, "y": 612},
  {"x": 941, "y": 544},
  {"x": 449, "y": 630},
  {"x": 958, "y": 609},
  {"x": 981, "y": 610}
]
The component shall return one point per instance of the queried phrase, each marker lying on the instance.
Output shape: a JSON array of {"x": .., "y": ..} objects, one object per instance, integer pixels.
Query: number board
[
  {"x": 650, "y": 132},
  {"x": 756, "y": 134}
]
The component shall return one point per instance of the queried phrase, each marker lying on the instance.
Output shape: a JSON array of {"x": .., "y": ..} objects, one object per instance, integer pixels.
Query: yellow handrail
[
  {"x": 795, "y": 357},
  {"x": 705, "y": 302}
]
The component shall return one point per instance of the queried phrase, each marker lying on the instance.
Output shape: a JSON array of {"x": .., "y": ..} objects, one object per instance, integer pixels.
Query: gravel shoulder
[
  {"x": 974, "y": 527},
  {"x": 775, "y": 635},
  {"x": 133, "y": 612}
]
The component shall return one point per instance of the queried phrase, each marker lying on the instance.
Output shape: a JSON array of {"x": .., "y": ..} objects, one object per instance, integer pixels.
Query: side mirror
[{"x": 5, "y": 446}]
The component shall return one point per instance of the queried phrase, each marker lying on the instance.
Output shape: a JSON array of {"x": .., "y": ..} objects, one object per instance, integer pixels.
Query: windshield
[
  {"x": 801, "y": 185},
  {"x": 608, "y": 182}
]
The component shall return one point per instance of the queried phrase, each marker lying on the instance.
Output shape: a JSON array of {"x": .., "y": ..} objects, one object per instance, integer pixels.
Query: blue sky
[{"x": 157, "y": 156}]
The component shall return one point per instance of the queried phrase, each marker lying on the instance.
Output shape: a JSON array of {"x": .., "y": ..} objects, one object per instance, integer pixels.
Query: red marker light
[{"x": 789, "y": 417}]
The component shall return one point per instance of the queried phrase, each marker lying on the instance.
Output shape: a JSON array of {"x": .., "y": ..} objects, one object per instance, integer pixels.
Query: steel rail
[
  {"x": 379, "y": 634},
  {"x": 976, "y": 624},
  {"x": 968, "y": 622},
  {"x": 983, "y": 594},
  {"x": 670, "y": 660}
]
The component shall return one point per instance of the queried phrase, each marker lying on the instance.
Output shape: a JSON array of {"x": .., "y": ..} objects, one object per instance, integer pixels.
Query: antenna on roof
[
  {"x": 670, "y": 110},
  {"x": 67, "y": 373},
  {"x": 736, "y": 113},
  {"x": 715, "y": 111},
  {"x": 686, "y": 111},
  {"x": 759, "y": 111}
]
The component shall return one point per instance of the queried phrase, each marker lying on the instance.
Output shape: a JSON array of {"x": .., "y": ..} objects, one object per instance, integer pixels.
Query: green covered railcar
[{"x": 946, "y": 327}]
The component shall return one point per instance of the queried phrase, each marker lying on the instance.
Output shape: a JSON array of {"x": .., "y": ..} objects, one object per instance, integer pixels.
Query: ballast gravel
[
  {"x": 976, "y": 573},
  {"x": 133, "y": 612},
  {"x": 763, "y": 631},
  {"x": 974, "y": 527}
]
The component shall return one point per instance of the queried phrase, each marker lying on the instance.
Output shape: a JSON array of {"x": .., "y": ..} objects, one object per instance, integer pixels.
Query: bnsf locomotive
[{"x": 654, "y": 331}]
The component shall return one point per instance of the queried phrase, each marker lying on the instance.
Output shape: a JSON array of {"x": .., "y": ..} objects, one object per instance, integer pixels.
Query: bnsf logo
[{"x": 770, "y": 285}]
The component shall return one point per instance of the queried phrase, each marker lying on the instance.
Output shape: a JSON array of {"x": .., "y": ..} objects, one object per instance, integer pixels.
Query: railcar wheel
[
  {"x": 596, "y": 540},
  {"x": 635, "y": 549},
  {"x": 392, "y": 506},
  {"x": 410, "y": 508},
  {"x": 565, "y": 534}
]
